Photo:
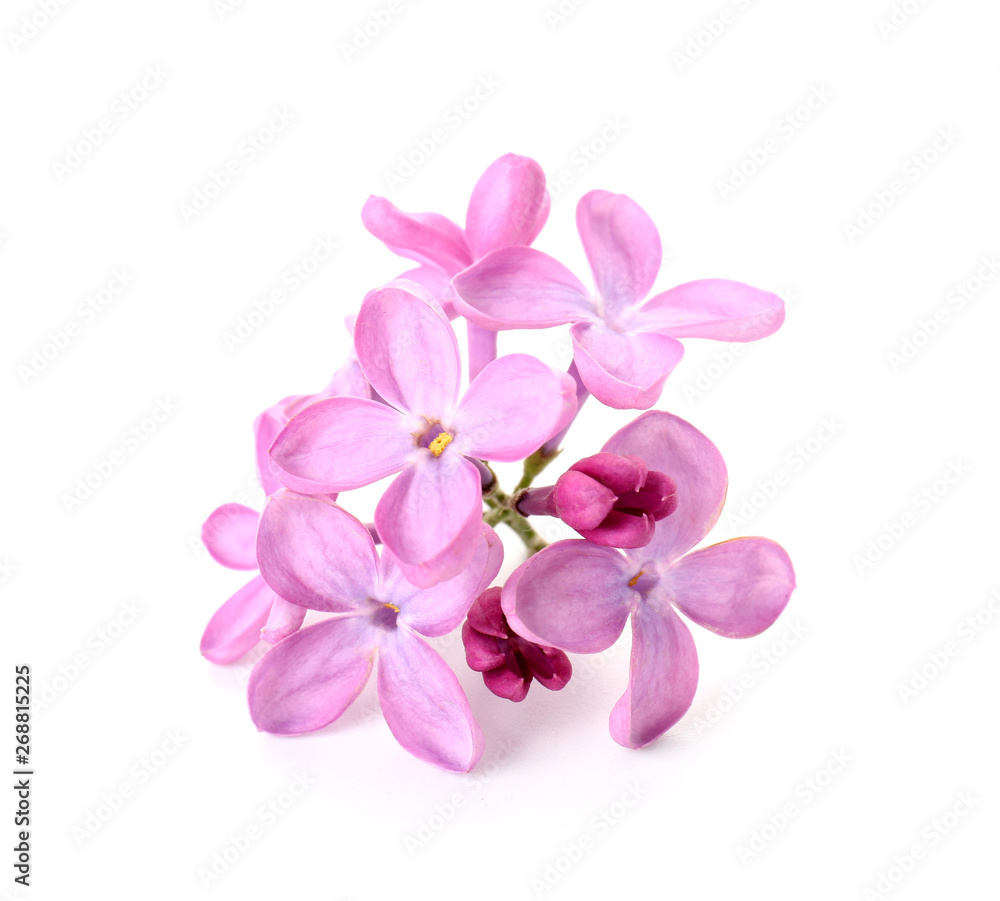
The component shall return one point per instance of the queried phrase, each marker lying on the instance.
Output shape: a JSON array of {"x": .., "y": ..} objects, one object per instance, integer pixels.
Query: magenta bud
[
  {"x": 610, "y": 499},
  {"x": 507, "y": 661}
]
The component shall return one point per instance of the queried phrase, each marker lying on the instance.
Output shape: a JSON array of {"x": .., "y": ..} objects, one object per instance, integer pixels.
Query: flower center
[
  {"x": 434, "y": 438},
  {"x": 384, "y": 615},
  {"x": 438, "y": 445}
]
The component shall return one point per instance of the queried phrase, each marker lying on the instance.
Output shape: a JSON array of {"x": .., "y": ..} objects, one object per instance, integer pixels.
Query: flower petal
[
  {"x": 424, "y": 705},
  {"x": 438, "y": 610},
  {"x": 622, "y": 474},
  {"x": 436, "y": 282},
  {"x": 663, "y": 676},
  {"x": 348, "y": 381},
  {"x": 429, "y": 517},
  {"x": 308, "y": 680},
  {"x": 736, "y": 588},
  {"x": 518, "y": 287},
  {"x": 622, "y": 245},
  {"x": 511, "y": 407},
  {"x": 481, "y": 651},
  {"x": 229, "y": 534},
  {"x": 572, "y": 595},
  {"x": 509, "y": 205},
  {"x": 486, "y": 614},
  {"x": 670, "y": 445},
  {"x": 235, "y": 627},
  {"x": 315, "y": 554},
  {"x": 425, "y": 237},
  {"x": 494, "y": 557},
  {"x": 713, "y": 308},
  {"x": 408, "y": 349},
  {"x": 285, "y": 619},
  {"x": 624, "y": 530},
  {"x": 341, "y": 443},
  {"x": 625, "y": 370},
  {"x": 507, "y": 684}
]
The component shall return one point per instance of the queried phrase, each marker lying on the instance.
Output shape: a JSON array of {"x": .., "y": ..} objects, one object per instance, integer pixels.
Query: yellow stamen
[
  {"x": 438, "y": 445},
  {"x": 632, "y": 582},
  {"x": 392, "y": 607}
]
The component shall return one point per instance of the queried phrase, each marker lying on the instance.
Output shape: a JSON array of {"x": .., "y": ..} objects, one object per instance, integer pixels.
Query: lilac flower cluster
[{"x": 397, "y": 409}]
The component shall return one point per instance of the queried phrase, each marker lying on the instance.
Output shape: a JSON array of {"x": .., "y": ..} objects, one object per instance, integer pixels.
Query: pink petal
[
  {"x": 429, "y": 517},
  {"x": 582, "y": 502},
  {"x": 625, "y": 370},
  {"x": 341, "y": 443},
  {"x": 235, "y": 627},
  {"x": 425, "y": 237},
  {"x": 481, "y": 651},
  {"x": 506, "y": 684},
  {"x": 736, "y": 588},
  {"x": 285, "y": 619},
  {"x": 623, "y": 530},
  {"x": 518, "y": 287},
  {"x": 572, "y": 595},
  {"x": 408, "y": 350},
  {"x": 713, "y": 308},
  {"x": 670, "y": 445},
  {"x": 229, "y": 534},
  {"x": 622, "y": 245},
  {"x": 494, "y": 557},
  {"x": 663, "y": 676},
  {"x": 622, "y": 474},
  {"x": 562, "y": 670},
  {"x": 486, "y": 614},
  {"x": 436, "y": 282},
  {"x": 508, "y": 206},
  {"x": 511, "y": 408},
  {"x": 424, "y": 705},
  {"x": 308, "y": 680},
  {"x": 348, "y": 381},
  {"x": 315, "y": 554},
  {"x": 266, "y": 427},
  {"x": 438, "y": 610}
]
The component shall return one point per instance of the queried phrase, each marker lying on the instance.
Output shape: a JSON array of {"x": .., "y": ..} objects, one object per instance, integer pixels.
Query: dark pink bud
[
  {"x": 610, "y": 499},
  {"x": 507, "y": 661}
]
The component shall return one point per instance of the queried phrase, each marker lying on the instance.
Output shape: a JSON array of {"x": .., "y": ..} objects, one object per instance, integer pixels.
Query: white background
[{"x": 824, "y": 681}]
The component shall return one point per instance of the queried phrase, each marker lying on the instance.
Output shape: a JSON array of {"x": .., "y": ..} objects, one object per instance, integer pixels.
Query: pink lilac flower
[
  {"x": 255, "y": 612},
  {"x": 623, "y": 347},
  {"x": 429, "y": 516},
  {"x": 609, "y": 499},
  {"x": 317, "y": 555},
  {"x": 508, "y": 207},
  {"x": 507, "y": 661},
  {"x": 577, "y": 596}
]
